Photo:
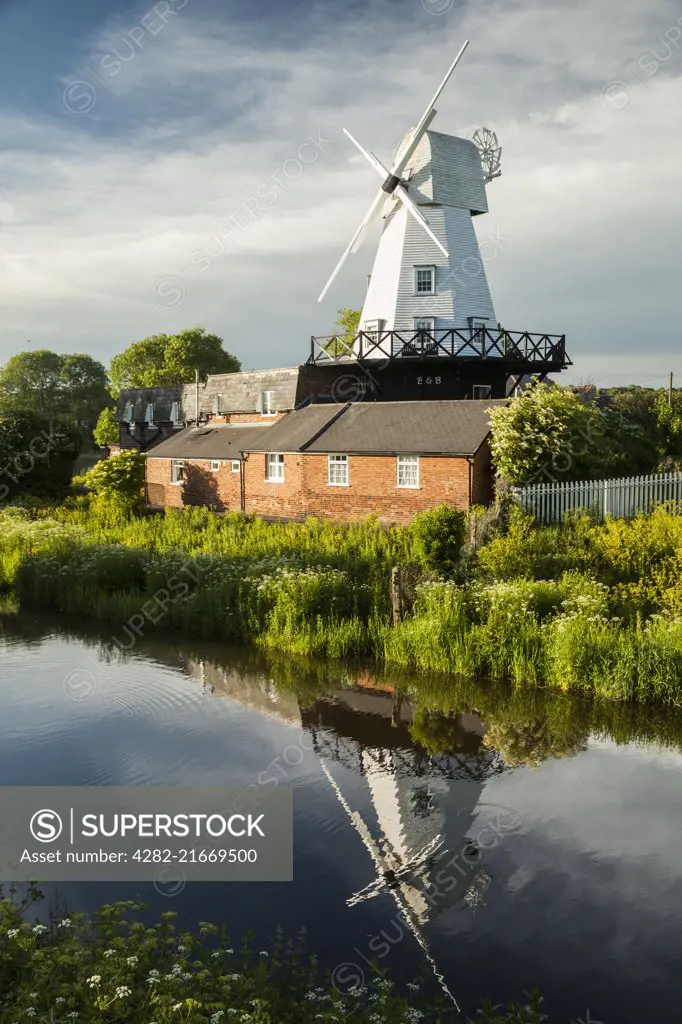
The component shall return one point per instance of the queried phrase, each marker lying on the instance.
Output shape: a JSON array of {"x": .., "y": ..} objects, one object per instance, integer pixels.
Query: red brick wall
[
  {"x": 200, "y": 487},
  {"x": 245, "y": 417},
  {"x": 372, "y": 488}
]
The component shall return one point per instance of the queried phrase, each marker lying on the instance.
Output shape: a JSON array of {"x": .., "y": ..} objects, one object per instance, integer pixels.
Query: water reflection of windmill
[
  {"x": 424, "y": 854},
  {"x": 417, "y": 827}
]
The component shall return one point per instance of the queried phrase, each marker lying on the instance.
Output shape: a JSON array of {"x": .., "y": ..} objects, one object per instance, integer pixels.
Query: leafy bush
[
  {"x": 548, "y": 433},
  {"x": 118, "y": 481},
  {"x": 438, "y": 536}
]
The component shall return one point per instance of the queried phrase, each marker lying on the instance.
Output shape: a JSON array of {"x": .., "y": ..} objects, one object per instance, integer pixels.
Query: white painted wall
[{"x": 448, "y": 169}]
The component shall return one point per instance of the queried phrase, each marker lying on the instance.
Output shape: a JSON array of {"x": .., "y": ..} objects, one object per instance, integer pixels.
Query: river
[{"x": 480, "y": 841}]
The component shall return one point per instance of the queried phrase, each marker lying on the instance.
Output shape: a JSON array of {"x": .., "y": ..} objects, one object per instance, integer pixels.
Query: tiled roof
[
  {"x": 374, "y": 428},
  {"x": 209, "y": 442}
]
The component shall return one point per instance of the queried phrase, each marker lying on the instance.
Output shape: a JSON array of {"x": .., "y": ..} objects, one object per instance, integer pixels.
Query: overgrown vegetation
[
  {"x": 113, "y": 966},
  {"x": 585, "y": 606}
]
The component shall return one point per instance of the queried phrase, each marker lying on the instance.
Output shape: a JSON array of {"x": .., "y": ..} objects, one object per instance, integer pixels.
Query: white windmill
[{"x": 428, "y": 275}]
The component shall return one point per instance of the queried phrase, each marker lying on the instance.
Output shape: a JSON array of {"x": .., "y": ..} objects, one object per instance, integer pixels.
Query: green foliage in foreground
[
  {"x": 114, "y": 967},
  {"x": 586, "y": 606}
]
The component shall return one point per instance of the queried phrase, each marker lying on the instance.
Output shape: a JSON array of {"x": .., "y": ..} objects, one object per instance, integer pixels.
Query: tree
[
  {"x": 31, "y": 382},
  {"x": 347, "y": 323},
  {"x": 345, "y": 331},
  {"x": 36, "y": 454},
  {"x": 107, "y": 431},
  {"x": 171, "y": 359},
  {"x": 548, "y": 434},
  {"x": 84, "y": 388},
  {"x": 72, "y": 388}
]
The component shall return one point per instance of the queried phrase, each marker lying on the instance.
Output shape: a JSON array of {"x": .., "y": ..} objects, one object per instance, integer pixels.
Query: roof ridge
[{"x": 327, "y": 424}]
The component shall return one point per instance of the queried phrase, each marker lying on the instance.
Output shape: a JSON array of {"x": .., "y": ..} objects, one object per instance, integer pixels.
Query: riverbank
[
  {"x": 590, "y": 607},
  {"x": 113, "y": 966}
]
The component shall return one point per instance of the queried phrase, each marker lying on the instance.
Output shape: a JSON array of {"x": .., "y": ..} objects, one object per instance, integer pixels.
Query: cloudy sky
[{"x": 183, "y": 163}]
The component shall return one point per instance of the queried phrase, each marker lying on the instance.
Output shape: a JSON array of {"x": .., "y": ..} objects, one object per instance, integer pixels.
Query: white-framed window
[
  {"x": 215, "y": 465},
  {"x": 424, "y": 280},
  {"x": 375, "y": 326},
  {"x": 177, "y": 471},
  {"x": 274, "y": 468},
  {"x": 337, "y": 470},
  {"x": 267, "y": 403},
  {"x": 149, "y": 415},
  {"x": 407, "y": 470},
  {"x": 216, "y": 405},
  {"x": 481, "y": 391},
  {"x": 235, "y": 465},
  {"x": 175, "y": 414},
  {"x": 425, "y": 323},
  {"x": 478, "y": 323}
]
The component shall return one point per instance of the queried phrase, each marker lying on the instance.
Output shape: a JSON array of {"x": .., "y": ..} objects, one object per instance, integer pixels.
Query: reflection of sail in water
[
  {"x": 396, "y": 890},
  {"x": 424, "y": 856},
  {"x": 420, "y": 834}
]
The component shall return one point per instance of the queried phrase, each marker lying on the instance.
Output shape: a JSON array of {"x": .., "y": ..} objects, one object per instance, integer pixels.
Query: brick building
[
  {"x": 347, "y": 434},
  {"x": 347, "y": 461}
]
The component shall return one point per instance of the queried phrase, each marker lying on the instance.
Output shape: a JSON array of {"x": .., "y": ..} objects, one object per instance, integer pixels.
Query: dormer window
[
  {"x": 149, "y": 415},
  {"x": 128, "y": 414},
  {"x": 424, "y": 280},
  {"x": 175, "y": 414},
  {"x": 267, "y": 403},
  {"x": 216, "y": 405}
]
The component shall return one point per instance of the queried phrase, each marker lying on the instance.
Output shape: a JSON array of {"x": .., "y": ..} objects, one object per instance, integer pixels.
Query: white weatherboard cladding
[
  {"x": 382, "y": 294},
  {"x": 462, "y": 290},
  {"x": 446, "y": 169},
  {"x": 446, "y": 180}
]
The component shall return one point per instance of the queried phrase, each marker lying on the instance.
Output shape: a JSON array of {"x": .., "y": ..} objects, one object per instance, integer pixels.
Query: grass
[{"x": 586, "y": 606}]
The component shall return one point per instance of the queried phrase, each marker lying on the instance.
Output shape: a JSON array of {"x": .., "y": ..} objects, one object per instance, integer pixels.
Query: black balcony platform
[{"x": 519, "y": 352}]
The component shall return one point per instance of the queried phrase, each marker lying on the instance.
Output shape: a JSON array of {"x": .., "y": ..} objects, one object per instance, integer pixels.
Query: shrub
[
  {"x": 438, "y": 535},
  {"x": 118, "y": 481},
  {"x": 548, "y": 431}
]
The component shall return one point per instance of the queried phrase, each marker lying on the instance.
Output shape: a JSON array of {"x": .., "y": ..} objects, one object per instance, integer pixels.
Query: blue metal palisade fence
[{"x": 620, "y": 498}]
